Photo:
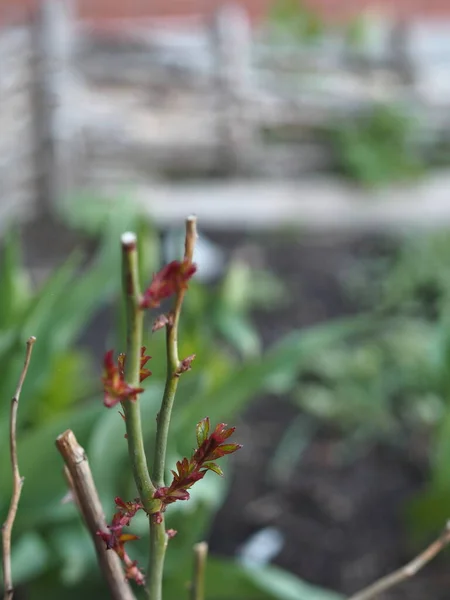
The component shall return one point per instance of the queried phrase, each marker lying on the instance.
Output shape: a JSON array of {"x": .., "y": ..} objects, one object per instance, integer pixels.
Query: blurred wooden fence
[
  {"x": 81, "y": 109},
  {"x": 17, "y": 161}
]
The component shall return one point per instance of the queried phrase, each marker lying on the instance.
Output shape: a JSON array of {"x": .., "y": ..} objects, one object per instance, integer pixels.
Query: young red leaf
[
  {"x": 129, "y": 508},
  {"x": 143, "y": 374},
  {"x": 190, "y": 470},
  {"x": 202, "y": 431},
  {"x": 170, "y": 280},
  {"x": 221, "y": 433},
  {"x": 214, "y": 467},
  {"x": 160, "y": 322},
  {"x": 116, "y": 389},
  {"x": 178, "y": 495},
  {"x": 121, "y": 504},
  {"x": 185, "y": 365},
  {"x": 121, "y": 364},
  {"x": 157, "y": 518},
  {"x": 132, "y": 572},
  {"x": 127, "y": 537},
  {"x": 115, "y": 540},
  {"x": 224, "y": 449}
]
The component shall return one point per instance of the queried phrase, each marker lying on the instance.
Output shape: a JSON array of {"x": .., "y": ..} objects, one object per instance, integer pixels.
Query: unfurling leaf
[
  {"x": 170, "y": 280},
  {"x": 143, "y": 372},
  {"x": 185, "y": 365},
  {"x": 214, "y": 467},
  {"x": 116, "y": 389},
  {"x": 202, "y": 431},
  {"x": 160, "y": 322},
  {"x": 191, "y": 470},
  {"x": 224, "y": 449},
  {"x": 115, "y": 540}
]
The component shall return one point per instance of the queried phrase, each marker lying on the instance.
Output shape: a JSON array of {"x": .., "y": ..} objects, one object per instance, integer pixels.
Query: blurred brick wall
[{"x": 103, "y": 10}]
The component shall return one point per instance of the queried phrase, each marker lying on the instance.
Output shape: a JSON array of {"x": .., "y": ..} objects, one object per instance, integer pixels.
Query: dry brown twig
[
  {"x": 408, "y": 570},
  {"x": 81, "y": 483},
  {"x": 17, "y": 479}
]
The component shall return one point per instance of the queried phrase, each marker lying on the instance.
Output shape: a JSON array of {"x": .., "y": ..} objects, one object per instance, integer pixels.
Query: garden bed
[{"x": 341, "y": 518}]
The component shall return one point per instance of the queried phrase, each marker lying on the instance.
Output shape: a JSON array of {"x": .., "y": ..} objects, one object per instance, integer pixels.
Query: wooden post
[
  {"x": 53, "y": 40},
  {"x": 401, "y": 60},
  {"x": 231, "y": 49},
  {"x": 15, "y": 135}
]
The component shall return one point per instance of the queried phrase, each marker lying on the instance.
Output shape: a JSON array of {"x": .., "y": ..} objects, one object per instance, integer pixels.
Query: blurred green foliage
[
  {"x": 356, "y": 32},
  {"x": 377, "y": 147},
  {"x": 392, "y": 383},
  {"x": 293, "y": 20},
  {"x": 379, "y": 376},
  {"x": 297, "y": 22},
  {"x": 52, "y": 553}
]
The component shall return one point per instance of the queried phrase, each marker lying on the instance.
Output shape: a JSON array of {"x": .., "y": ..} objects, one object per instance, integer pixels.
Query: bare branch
[
  {"x": 407, "y": 571},
  {"x": 81, "y": 482},
  {"x": 17, "y": 479}
]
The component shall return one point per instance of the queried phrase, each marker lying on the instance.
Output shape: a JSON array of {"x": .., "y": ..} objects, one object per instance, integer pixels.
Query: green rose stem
[
  {"x": 158, "y": 536},
  {"x": 173, "y": 366},
  {"x": 198, "y": 580},
  {"x": 131, "y": 409}
]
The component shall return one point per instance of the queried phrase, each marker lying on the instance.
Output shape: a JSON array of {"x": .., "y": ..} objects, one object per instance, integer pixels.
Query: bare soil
[{"x": 342, "y": 521}]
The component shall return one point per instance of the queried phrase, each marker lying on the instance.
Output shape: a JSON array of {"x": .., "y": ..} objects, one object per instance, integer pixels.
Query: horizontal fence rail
[{"x": 83, "y": 110}]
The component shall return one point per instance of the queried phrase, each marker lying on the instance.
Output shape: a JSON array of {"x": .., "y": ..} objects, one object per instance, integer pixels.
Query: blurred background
[{"x": 312, "y": 140}]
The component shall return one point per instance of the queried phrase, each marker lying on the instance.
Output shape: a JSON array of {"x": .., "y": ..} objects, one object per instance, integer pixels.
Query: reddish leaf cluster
[
  {"x": 170, "y": 280},
  {"x": 210, "y": 447},
  {"x": 143, "y": 373},
  {"x": 185, "y": 365},
  {"x": 115, "y": 539},
  {"x": 115, "y": 387},
  {"x": 160, "y": 322}
]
